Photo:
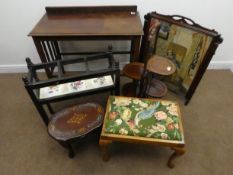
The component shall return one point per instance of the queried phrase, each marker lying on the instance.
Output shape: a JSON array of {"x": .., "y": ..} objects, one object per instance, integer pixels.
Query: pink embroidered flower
[
  {"x": 170, "y": 126},
  {"x": 160, "y": 115},
  {"x": 112, "y": 115},
  {"x": 161, "y": 128},
  {"x": 131, "y": 124},
  {"x": 164, "y": 136}
]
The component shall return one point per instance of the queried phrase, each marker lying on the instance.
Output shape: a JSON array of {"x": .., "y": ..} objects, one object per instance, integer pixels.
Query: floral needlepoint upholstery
[{"x": 149, "y": 118}]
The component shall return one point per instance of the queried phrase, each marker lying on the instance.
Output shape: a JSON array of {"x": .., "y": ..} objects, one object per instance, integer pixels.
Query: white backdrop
[{"x": 17, "y": 18}]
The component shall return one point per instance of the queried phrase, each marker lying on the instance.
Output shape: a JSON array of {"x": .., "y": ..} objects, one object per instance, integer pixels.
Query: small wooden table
[
  {"x": 138, "y": 120},
  {"x": 74, "y": 122},
  {"x": 135, "y": 71},
  {"x": 158, "y": 66},
  {"x": 86, "y": 23}
]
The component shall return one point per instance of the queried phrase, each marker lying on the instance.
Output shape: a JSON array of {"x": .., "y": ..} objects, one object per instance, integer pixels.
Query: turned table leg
[
  {"x": 68, "y": 146},
  {"x": 104, "y": 149},
  {"x": 178, "y": 151}
]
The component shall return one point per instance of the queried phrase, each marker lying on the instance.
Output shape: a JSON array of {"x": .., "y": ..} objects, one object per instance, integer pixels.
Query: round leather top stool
[{"x": 75, "y": 121}]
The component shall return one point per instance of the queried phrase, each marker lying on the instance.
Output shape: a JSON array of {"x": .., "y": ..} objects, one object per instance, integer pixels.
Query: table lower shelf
[
  {"x": 156, "y": 89},
  {"x": 129, "y": 89}
]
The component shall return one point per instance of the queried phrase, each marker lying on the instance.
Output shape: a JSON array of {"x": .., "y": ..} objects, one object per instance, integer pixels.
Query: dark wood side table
[
  {"x": 86, "y": 23},
  {"x": 135, "y": 71},
  {"x": 72, "y": 123},
  {"x": 157, "y": 66}
]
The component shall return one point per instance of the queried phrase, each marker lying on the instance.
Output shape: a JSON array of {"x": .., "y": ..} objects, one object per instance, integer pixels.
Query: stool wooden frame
[{"x": 106, "y": 139}]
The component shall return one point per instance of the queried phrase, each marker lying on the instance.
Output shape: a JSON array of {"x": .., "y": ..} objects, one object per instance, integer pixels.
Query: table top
[
  {"x": 75, "y": 121},
  {"x": 134, "y": 70},
  {"x": 160, "y": 65},
  {"x": 91, "y": 21},
  {"x": 143, "y": 119},
  {"x": 156, "y": 89}
]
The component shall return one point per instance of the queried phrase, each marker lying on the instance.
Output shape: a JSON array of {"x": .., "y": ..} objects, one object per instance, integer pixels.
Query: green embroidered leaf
[
  {"x": 157, "y": 135},
  {"x": 175, "y": 134},
  {"x": 178, "y": 136}
]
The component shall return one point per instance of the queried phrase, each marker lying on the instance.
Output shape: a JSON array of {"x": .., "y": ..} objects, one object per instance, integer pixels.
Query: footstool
[{"x": 141, "y": 120}]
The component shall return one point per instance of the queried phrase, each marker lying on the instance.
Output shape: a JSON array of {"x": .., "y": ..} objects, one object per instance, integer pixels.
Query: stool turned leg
[
  {"x": 104, "y": 149},
  {"x": 178, "y": 151}
]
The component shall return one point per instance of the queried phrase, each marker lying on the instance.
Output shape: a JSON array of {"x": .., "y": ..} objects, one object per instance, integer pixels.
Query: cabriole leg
[{"x": 178, "y": 151}]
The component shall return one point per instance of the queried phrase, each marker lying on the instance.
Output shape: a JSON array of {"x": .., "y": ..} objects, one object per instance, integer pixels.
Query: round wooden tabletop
[
  {"x": 160, "y": 65},
  {"x": 156, "y": 89},
  {"x": 134, "y": 70},
  {"x": 75, "y": 121}
]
